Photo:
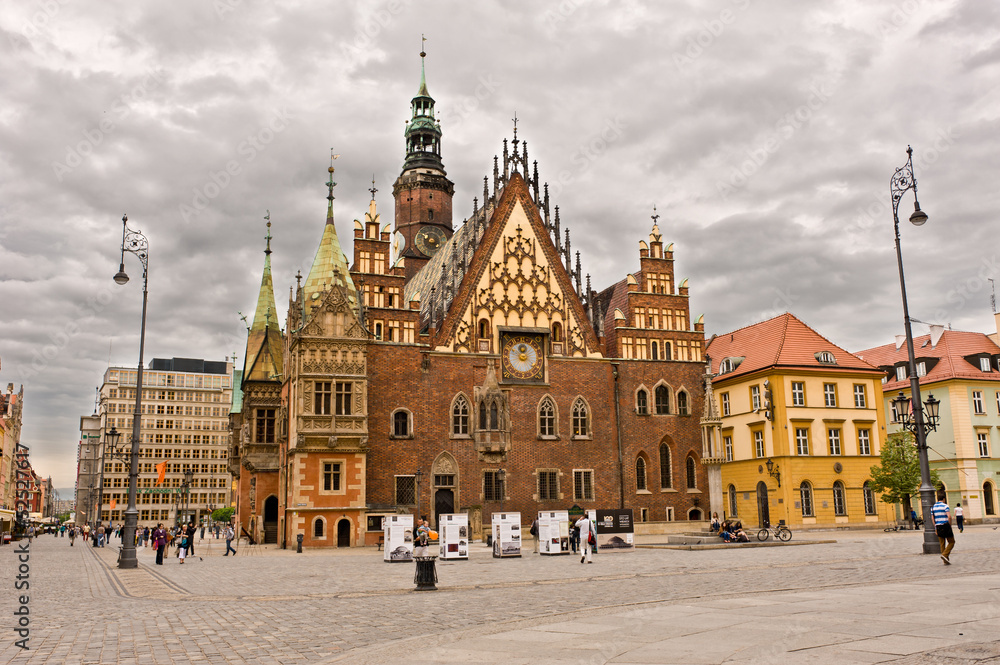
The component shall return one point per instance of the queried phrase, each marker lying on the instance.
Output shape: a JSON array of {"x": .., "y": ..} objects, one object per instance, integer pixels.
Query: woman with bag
[
  {"x": 159, "y": 542},
  {"x": 587, "y": 538}
]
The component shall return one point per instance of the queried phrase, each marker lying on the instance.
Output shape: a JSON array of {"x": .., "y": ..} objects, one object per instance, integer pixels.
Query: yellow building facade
[{"x": 801, "y": 422}]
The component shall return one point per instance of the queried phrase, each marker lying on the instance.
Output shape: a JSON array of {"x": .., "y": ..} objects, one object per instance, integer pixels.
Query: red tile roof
[
  {"x": 784, "y": 341},
  {"x": 951, "y": 350}
]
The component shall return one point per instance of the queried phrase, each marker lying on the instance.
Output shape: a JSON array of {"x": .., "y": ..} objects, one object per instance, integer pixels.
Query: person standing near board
[{"x": 586, "y": 533}]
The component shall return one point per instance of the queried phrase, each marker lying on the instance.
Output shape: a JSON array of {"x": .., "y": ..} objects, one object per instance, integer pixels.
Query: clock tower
[{"x": 422, "y": 191}]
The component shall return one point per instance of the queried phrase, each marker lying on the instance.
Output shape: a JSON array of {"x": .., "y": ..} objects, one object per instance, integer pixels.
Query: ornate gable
[{"x": 516, "y": 280}]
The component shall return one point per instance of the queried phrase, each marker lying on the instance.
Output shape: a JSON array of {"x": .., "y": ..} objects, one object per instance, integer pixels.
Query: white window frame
[
  {"x": 798, "y": 393},
  {"x": 802, "y": 442},
  {"x": 833, "y": 441},
  {"x": 860, "y": 396},
  {"x": 728, "y": 444},
  {"x": 758, "y": 443},
  {"x": 983, "y": 439},
  {"x": 806, "y": 497},
  {"x": 869, "y": 496},
  {"x": 755, "y": 398},
  {"x": 984, "y": 363},
  {"x": 921, "y": 368},
  {"x": 901, "y": 373},
  {"x": 978, "y": 405},
  {"x": 864, "y": 441},
  {"x": 725, "y": 403},
  {"x": 839, "y": 499},
  {"x": 830, "y": 395}
]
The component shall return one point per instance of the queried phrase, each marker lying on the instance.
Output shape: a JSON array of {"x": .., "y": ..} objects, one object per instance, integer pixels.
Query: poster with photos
[
  {"x": 397, "y": 532},
  {"x": 506, "y": 535},
  {"x": 553, "y": 532},
  {"x": 453, "y": 532},
  {"x": 615, "y": 531}
]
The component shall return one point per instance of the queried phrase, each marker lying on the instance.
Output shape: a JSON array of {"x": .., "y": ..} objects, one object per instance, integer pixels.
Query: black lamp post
[
  {"x": 135, "y": 243},
  {"x": 416, "y": 483},
  {"x": 902, "y": 181},
  {"x": 773, "y": 470},
  {"x": 188, "y": 479}
]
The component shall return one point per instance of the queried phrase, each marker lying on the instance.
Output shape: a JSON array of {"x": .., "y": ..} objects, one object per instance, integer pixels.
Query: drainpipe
[{"x": 618, "y": 435}]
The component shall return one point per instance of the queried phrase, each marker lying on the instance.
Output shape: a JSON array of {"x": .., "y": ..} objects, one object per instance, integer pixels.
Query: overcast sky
[{"x": 764, "y": 133}]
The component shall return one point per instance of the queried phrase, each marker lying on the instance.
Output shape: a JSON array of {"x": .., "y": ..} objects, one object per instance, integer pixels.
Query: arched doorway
[
  {"x": 695, "y": 515},
  {"x": 444, "y": 474},
  {"x": 763, "y": 510},
  {"x": 988, "y": 498},
  {"x": 444, "y": 503},
  {"x": 271, "y": 520},
  {"x": 344, "y": 533}
]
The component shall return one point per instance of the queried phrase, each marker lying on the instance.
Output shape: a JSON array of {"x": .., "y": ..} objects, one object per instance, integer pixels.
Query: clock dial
[
  {"x": 429, "y": 240},
  {"x": 522, "y": 357}
]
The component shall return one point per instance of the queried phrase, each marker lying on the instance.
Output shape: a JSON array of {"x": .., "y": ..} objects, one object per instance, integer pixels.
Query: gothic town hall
[{"x": 467, "y": 366}]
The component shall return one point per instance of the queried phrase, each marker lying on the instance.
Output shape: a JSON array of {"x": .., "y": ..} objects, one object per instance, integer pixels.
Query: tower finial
[
  {"x": 423, "y": 77},
  {"x": 330, "y": 183},
  {"x": 655, "y": 217},
  {"x": 374, "y": 188},
  {"x": 267, "y": 250},
  {"x": 515, "y": 126}
]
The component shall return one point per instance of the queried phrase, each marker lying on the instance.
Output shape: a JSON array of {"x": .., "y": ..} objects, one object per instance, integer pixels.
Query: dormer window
[
  {"x": 921, "y": 368},
  {"x": 901, "y": 373},
  {"x": 984, "y": 363},
  {"x": 826, "y": 358},
  {"x": 729, "y": 364}
]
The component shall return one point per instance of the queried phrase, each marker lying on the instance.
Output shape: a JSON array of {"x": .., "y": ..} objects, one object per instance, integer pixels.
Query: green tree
[
  {"x": 897, "y": 477},
  {"x": 223, "y": 514}
]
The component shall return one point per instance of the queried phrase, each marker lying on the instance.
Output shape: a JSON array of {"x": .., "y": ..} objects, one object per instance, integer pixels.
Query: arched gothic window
[
  {"x": 839, "y": 499},
  {"x": 682, "y": 403},
  {"x": 642, "y": 402},
  {"x": 666, "y": 473},
  {"x": 319, "y": 528},
  {"x": 732, "y": 501},
  {"x": 494, "y": 416},
  {"x": 401, "y": 424},
  {"x": 460, "y": 417},
  {"x": 692, "y": 477},
  {"x": 581, "y": 419},
  {"x": 483, "y": 416},
  {"x": 869, "y": 498},
  {"x": 640, "y": 474},
  {"x": 547, "y": 418},
  {"x": 662, "y": 397}
]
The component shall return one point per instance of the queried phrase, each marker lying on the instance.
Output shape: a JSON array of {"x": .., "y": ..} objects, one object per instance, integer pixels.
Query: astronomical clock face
[
  {"x": 521, "y": 357},
  {"x": 429, "y": 240}
]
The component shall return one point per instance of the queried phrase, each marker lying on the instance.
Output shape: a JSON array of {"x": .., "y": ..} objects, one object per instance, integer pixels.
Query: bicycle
[{"x": 781, "y": 532}]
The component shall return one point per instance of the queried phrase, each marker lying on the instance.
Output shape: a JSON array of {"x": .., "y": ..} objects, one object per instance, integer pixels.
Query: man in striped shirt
[{"x": 942, "y": 525}]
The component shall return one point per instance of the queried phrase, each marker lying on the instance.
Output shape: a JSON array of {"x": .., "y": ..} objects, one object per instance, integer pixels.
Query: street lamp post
[
  {"x": 902, "y": 181},
  {"x": 502, "y": 477},
  {"x": 135, "y": 243}
]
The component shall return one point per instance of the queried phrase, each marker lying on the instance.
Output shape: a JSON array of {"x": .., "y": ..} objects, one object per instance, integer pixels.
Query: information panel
[
  {"x": 454, "y": 535},
  {"x": 398, "y": 534},
  {"x": 553, "y": 532},
  {"x": 506, "y": 534},
  {"x": 615, "y": 532}
]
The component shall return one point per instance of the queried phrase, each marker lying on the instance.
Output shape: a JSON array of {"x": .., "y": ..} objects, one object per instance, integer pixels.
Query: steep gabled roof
[
  {"x": 265, "y": 347},
  {"x": 784, "y": 341},
  {"x": 951, "y": 351},
  {"x": 329, "y": 269}
]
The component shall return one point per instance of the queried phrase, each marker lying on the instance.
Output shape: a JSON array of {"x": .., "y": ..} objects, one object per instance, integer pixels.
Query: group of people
[
  {"x": 581, "y": 531},
  {"x": 731, "y": 531}
]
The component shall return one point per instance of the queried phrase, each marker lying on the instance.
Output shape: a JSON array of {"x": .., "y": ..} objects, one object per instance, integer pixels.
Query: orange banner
[{"x": 161, "y": 469}]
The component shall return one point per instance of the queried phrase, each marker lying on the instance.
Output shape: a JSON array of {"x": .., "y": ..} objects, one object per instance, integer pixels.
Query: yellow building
[{"x": 800, "y": 423}]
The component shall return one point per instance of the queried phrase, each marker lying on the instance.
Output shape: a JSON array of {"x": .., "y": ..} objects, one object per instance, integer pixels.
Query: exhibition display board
[
  {"x": 615, "y": 532},
  {"x": 398, "y": 533},
  {"x": 553, "y": 532},
  {"x": 453, "y": 532},
  {"x": 506, "y": 534}
]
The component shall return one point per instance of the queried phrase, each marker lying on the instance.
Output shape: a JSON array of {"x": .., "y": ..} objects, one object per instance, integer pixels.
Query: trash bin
[{"x": 425, "y": 576}]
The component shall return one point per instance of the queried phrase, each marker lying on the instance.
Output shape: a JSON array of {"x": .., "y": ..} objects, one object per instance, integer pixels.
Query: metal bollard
[{"x": 298, "y": 540}]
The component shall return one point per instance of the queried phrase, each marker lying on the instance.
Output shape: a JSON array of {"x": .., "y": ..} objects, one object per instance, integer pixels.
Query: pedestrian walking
[
  {"x": 942, "y": 525},
  {"x": 959, "y": 517},
  {"x": 574, "y": 537},
  {"x": 229, "y": 541},
  {"x": 534, "y": 533},
  {"x": 159, "y": 542},
  {"x": 913, "y": 518},
  {"x": 101, "y": 532},
  {"x": 189, "y": 532},
  {"x": 72, "y": 536},
  {"x": 586, "y": 533}
]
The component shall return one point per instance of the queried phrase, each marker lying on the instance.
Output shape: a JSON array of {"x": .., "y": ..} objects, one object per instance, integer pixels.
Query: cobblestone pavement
[{"x": 274, "y": 606}]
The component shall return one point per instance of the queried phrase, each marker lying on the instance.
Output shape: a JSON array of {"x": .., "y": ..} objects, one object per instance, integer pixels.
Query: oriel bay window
[
  {"x": 321, "y": 398},
  {"x": 265, "y": 425},
  {"x": 344, "y": 390}
]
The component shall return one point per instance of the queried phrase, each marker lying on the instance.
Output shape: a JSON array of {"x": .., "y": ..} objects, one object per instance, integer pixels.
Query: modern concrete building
[{"x": 185, "y": 423}]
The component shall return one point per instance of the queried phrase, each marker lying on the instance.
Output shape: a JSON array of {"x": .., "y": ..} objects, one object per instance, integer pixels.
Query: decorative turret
[
  {"x": 263, "y": 357},
  {"x": 423, "y": 133},
  {"x": 422, "y": 191},
  {"x": 329, "y": 269}
]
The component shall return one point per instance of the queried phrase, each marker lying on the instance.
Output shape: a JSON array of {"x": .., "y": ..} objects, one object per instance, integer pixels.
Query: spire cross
[
  {"x": 373, "y": 188},
  {"x": 515, "y": 126},
  {"x": 655, "y": 216}
]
